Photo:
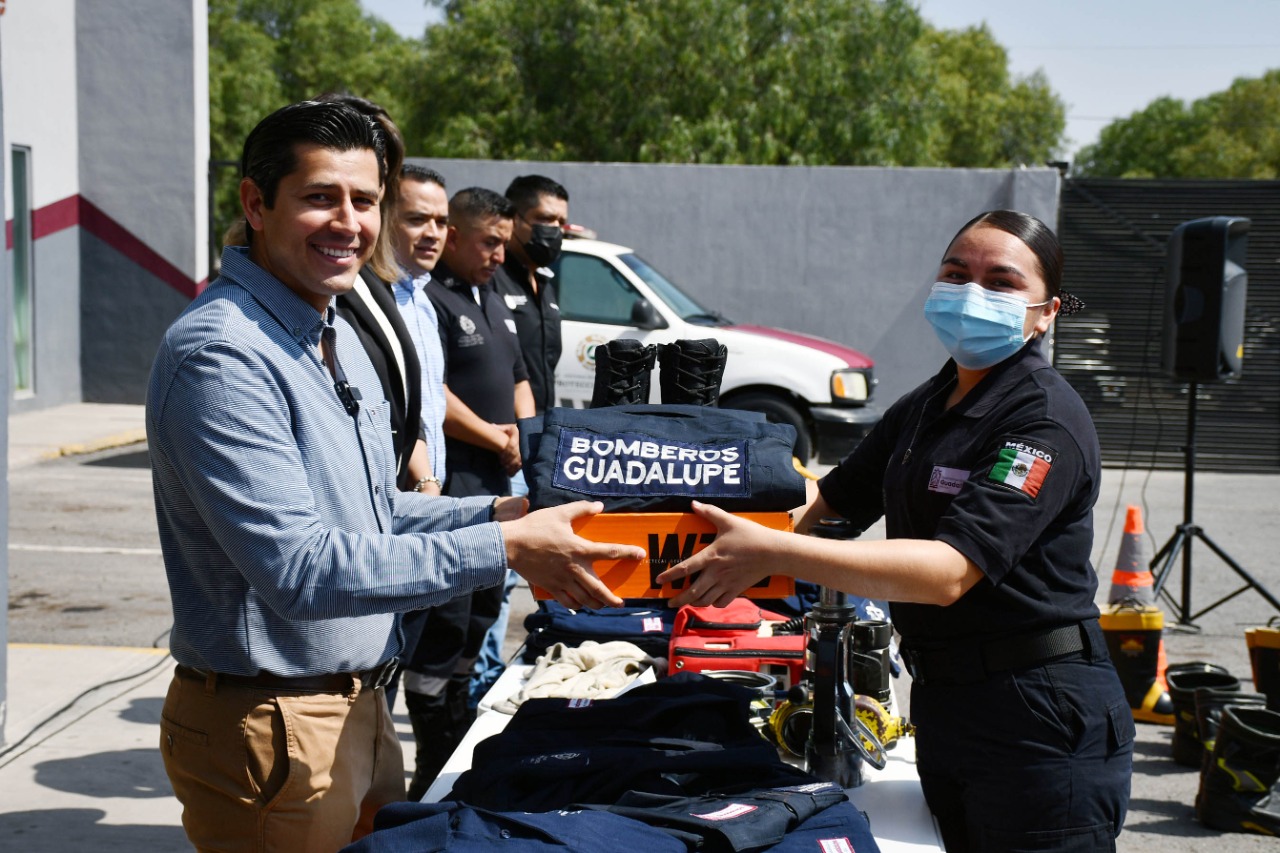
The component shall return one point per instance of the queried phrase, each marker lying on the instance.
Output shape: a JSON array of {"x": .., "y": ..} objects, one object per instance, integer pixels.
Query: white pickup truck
[{"x": 821, "y": 388}]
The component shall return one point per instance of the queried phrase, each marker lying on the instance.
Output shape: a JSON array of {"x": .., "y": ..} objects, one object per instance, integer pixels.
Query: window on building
[{"x": 23, "y": 278}]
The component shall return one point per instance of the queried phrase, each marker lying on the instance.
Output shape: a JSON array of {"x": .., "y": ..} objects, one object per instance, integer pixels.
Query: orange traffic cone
[
  {"x": 1134, "y": 628},
  {"x": 1132, "y": 580}
]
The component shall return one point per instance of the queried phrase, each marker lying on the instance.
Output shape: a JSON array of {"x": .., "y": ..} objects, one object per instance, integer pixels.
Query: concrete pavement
[{"x": 79, "y": 766}]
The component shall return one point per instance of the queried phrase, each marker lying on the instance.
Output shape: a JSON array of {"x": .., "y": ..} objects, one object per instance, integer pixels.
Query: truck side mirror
[{"x": 645, "y": 316}]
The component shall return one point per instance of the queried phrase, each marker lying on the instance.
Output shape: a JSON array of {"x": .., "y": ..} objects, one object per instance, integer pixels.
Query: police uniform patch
[{"x": 1022, "y": 465}]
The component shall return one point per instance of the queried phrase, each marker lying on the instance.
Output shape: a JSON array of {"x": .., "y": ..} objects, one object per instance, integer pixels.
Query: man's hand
[
  {"x": 543, "y": 548},
  {"x": 742, "y": 554},
  {"x": 510, "y": 508},
  {"x": 509, "y": 456}
]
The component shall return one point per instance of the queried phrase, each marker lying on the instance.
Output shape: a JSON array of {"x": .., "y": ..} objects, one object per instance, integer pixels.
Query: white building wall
[{"x": 38, "y": 63}]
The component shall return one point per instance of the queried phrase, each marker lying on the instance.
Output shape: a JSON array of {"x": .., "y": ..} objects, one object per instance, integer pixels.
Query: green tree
[
  {"x": 1229, "y": 134},
  {"x": 264, "y": 54},
  {"x": 861, "y": 82}
]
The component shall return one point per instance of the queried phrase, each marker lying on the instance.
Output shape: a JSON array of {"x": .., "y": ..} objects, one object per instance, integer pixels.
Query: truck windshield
[{"x": 668, "y": 292}]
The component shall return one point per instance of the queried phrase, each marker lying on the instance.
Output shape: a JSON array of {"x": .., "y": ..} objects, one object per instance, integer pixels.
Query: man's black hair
[
  {"x": 526, "y": 190},
  {"x": 475, "y": 203},
  {"x": 270, "y": 151},
  {"x": 422, "y": 175}
]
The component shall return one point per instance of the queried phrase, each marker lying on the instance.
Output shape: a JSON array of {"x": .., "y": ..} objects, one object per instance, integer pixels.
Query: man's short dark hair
[
  {"x": 476, "y": 203},
  {"x": 270, "y": 151},
  {"x": 422, "y": 175},
  {"x": 526, "y": 190}
]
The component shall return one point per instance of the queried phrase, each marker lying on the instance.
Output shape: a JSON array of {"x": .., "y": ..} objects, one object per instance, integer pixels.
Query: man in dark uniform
[
  {"x": 526, "y": 283},
  {"x": 528, "y": 288},
  {"x": 487, "y": 388}
]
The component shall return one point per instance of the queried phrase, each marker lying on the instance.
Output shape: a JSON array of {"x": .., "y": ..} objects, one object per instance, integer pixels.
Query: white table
[{"x": 892, "y": 799}]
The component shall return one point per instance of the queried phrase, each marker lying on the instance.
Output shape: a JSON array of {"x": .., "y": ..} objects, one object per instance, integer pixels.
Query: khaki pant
[{"x": 260, "y": 770}]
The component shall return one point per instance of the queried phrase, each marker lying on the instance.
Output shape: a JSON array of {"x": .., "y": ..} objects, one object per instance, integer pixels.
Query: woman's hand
[{"x": 743, "y": 554}]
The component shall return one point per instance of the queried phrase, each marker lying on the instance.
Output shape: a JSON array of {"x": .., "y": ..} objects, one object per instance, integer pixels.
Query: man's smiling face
[{"x": 324, "y": 223}]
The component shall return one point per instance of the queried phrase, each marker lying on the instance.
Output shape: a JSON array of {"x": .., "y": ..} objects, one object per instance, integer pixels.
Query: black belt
[
  {"x": 342, "y": 682},
  {"x": 969, "y": 664}
]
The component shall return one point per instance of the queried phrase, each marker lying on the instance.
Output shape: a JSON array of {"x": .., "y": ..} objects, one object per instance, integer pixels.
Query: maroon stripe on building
[{"x": 78, "y": 210}]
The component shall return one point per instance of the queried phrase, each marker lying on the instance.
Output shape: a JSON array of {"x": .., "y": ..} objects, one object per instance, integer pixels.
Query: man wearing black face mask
[{"x": 525, "y": 282}]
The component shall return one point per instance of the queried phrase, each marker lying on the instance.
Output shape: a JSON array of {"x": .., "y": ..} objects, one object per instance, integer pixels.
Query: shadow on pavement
[
  {"x": 79, "y": 829},
  {"x": 135, "y": 773},
  {"x": 136, "y": 459},
  {"x": 145, "y": 711}
]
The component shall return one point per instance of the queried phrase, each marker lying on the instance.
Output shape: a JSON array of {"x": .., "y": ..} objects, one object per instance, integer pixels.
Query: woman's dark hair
[
  {"x": 270, "y": 150},
  {"x": 1042, "y": 242}
]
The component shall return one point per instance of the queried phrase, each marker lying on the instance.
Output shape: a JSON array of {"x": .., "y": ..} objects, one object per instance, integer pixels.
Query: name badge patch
[
  {"x": 1021, "y": 465},
  {"x": 630, "y": 464},
  {"x": 948, "y": 481}
]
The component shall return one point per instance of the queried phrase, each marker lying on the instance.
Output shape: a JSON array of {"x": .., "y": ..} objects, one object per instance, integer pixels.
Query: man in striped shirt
[{"x": 287, "y": 547}]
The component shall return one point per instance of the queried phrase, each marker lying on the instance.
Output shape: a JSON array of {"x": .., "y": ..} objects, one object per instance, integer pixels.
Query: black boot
[
  {"x": 1183, "y": 684},
  {"x": 1209, "y": 706},
  {"x": 1264, "y": 656},
  {"x": 691, "y": 371},
  {"x": 435, "y": 737},
  {"x": 623, "y": 367},
  {"x": 1133, "y": 635},
  {"x": 1239, "y": 790}
]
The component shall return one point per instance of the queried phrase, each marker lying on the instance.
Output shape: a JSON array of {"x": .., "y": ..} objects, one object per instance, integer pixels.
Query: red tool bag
[{"x": 736, "y": 637}]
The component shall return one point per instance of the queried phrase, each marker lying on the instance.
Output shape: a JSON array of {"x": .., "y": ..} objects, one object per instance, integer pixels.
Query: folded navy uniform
[
  {"x": 430, "y": 827},
  {"x": 659, "y": 458},
  {"x": 680, "y": 755},
  {"x": 453, "y": 826},
  {"x": 648, "y": 627}
]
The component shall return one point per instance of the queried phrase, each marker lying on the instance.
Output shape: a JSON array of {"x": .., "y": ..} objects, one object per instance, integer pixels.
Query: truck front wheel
[{"x": 778, "y": 411}]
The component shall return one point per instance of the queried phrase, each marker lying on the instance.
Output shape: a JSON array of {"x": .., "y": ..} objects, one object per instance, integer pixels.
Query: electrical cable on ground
[{"x": 10, "y": 753}]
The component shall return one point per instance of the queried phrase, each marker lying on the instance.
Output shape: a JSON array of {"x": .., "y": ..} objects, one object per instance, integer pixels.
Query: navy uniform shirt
[
  {"x": 537, "y": 316},
  {"x": 1008, "y": 477},
  {"x": 481, "y": 353}
]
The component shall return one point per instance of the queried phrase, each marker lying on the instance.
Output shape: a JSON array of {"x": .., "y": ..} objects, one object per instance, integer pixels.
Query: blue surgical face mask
[{"x": 979, "y": 327}]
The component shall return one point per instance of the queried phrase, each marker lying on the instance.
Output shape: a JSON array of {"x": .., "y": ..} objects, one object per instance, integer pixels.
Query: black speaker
[{"x": 1204, "y": 299}]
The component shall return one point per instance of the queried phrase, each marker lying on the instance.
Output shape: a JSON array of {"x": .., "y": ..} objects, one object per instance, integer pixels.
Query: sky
[{"x": 1106, "y": 59}]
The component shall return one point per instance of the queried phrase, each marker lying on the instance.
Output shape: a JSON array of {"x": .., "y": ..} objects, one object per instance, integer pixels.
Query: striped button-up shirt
[
  {"x": 286, "y": 544},
  {"x": 420, "y": 316}
]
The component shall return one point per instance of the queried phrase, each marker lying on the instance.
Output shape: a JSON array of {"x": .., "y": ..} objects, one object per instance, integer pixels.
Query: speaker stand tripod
[{"x": 1181, "y": 540}]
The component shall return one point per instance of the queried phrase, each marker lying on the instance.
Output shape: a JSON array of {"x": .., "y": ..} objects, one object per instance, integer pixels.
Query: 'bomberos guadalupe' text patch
[
  {"x": 628, "y": 464},
  {"x": 1022, "y": 466}
]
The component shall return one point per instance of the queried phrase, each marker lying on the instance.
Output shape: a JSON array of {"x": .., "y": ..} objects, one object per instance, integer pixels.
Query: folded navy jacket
[
  {"x": 648, "y": 627},
  {"x": 431, "y": 827},
  {"x": 659, "y": 458}
]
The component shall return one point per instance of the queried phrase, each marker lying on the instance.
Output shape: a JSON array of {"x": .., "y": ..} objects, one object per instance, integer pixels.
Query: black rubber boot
[
  {"x": 623, "y": 368},
  {"x": 435, "y": 737},
  {"x": 1264, "y": 656},
  {"x": 1209, "y": 706},
  {"x": 1239, "y": 790},
  {"x": 1183, "y": 684},
  {"x": 1133, "y": 635},
  {"x": 691, "y": 371}
]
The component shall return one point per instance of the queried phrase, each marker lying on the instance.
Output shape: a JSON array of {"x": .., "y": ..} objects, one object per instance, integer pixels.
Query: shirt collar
[
  {"x": 996, "y": 384},
  {"x": 292, "y": 312},
  {"x": 450, "y": 279},
  {"x": 409, "y": 281}
]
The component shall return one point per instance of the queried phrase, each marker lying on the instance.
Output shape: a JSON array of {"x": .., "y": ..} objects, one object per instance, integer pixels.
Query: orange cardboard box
[{"x": 668, "y": 537}]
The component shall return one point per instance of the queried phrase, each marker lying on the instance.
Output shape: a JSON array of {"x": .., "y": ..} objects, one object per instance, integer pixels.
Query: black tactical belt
[{"x": 969, "y": 664}]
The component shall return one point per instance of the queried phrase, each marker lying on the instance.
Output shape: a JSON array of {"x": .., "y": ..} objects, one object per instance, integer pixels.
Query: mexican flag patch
[{"x": 1022, "y": 466}]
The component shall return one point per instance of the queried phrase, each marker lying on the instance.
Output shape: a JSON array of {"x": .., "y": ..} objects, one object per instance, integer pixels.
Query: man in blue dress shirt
[{"x": 287, "y": 546}]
